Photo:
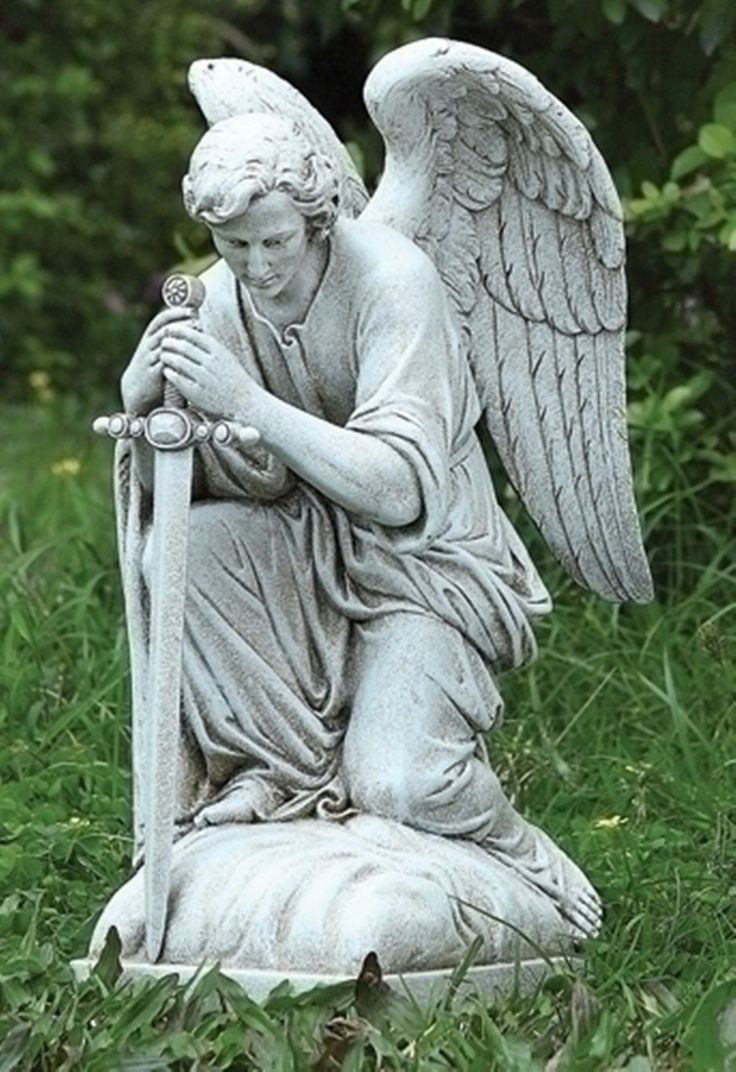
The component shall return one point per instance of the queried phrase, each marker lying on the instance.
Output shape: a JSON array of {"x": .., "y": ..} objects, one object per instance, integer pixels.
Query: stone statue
[{"x": 325, "y": 622}]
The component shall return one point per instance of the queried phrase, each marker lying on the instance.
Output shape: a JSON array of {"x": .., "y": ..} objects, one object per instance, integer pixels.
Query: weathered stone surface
[{"x": 317, "y": 896}]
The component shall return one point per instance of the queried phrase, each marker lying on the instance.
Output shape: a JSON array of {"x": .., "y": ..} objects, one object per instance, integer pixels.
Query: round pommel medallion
[
  {"x": 183, "y": 291},
  {"x": 168, "y": 429}
]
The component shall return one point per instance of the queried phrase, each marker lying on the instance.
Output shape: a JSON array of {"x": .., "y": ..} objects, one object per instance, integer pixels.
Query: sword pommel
[{"x": 183, "y": 291}]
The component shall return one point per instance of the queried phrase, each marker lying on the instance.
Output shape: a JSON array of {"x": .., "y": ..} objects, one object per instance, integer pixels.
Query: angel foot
[
  {"x": 536, "y": 858},
  {"x": 238, "y": 805}
]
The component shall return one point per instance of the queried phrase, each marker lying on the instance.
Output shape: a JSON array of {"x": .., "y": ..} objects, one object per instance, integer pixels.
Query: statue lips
[{"x": 261, "y": 284}]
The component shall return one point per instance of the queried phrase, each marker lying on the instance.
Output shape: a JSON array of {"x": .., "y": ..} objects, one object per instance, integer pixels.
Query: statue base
[
  {"x": 490, "y": 981},
  {"x": 307, "y": 900}
]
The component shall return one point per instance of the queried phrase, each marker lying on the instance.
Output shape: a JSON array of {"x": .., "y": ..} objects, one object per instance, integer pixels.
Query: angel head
[{"x": 266, "y": 195}]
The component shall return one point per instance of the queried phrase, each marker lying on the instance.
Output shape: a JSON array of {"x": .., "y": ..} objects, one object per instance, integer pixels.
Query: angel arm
[
  {"x": 389, "y": 463},
  {"x": 354, "y": 469},
  {"x": 359, "y": 472}
]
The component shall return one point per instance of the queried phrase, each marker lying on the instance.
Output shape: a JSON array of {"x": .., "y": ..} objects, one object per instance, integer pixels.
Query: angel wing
[
  {"x": 503, "y": 187},
  {"x": 226, "y": 87}
]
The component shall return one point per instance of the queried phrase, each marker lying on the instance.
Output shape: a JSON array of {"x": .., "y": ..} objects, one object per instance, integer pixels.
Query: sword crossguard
[{"x": 171, "y": 428}]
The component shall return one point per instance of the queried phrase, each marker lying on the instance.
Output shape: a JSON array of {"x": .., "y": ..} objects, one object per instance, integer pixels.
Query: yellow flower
[
  {"x": 611, "y": 823},
  {"x": 41, "y": 385},
  {"x": 39, "y": 380},
  {"x": 66, "y": 467}
]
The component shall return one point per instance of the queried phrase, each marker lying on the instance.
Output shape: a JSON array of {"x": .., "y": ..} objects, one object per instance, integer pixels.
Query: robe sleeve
[{"x": 409, "y": 383}]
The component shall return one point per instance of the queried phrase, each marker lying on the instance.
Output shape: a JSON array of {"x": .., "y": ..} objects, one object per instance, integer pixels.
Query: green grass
[{"x": 621, "y": 741}]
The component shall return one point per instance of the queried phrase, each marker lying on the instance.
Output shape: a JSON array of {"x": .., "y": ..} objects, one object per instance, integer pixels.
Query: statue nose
[{"x": 257, "y": 261}]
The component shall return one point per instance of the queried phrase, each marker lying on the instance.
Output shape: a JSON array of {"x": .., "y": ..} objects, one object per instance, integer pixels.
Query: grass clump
[{"x": 620, "y": 741}]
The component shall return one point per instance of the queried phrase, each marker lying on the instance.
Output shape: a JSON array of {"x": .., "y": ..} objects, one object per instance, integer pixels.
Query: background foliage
[{"x": 626, "y": 724}]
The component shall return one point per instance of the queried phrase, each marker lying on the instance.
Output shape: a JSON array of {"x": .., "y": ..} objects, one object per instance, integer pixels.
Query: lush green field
[{"x": 621, "y": 741}]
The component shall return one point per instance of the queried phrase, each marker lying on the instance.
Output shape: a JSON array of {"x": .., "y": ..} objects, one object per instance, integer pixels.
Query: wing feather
[
  {"x": 518, "y": 258},
  {"x": 505, "y": 189}
]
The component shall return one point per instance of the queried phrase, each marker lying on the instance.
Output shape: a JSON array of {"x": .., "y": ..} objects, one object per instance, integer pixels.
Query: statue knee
[
  {"x": 203, "y": 525},
  {"x": 202, "y": 521},
  {"x": 463, "y": 799},
  {"x": 388, "y": 793},
  {"x": 224, "y": 533}
]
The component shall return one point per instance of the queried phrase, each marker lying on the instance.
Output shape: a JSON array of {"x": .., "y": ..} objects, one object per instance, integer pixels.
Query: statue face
[{"x": 266, "y": 246}]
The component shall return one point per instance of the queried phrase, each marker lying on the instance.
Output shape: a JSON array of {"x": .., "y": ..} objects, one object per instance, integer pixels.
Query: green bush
[{"x": 94, "y": 133}]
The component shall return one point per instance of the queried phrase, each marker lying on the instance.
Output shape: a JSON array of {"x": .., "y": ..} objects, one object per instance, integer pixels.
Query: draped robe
[{"x": 280, "y": 576}]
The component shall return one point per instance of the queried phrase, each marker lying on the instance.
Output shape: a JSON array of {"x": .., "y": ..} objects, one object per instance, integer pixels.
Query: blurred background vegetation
[{"x": 98, "y": 124}]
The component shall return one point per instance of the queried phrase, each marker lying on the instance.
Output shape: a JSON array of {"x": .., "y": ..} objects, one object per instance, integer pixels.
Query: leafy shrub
[{"x": 95, "y": 131}]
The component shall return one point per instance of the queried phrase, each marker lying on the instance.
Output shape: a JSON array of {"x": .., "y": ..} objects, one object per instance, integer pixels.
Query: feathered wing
[
  {"x": 226, "y": 87},
  {"x": 503, "y": 187}
]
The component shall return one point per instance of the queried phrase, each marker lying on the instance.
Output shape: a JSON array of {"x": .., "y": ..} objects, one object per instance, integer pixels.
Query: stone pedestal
[{"x": 307, "y": 900}]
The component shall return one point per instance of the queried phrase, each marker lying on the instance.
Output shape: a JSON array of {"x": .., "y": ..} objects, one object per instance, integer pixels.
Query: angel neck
[{"x": 292, "y": 304}]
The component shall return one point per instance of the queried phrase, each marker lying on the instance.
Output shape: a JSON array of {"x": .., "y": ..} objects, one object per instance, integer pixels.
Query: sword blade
[{"x": 171, "y": 504}]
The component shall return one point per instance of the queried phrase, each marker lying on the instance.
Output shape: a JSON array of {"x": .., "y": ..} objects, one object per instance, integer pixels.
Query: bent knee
[
  {"x": 388, "y": 794},
  {"x": 223, "y": 533}
]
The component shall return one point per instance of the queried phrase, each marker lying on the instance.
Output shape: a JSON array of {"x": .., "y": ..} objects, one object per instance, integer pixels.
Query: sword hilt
[
  {"x": 172, "y": 426},
  {"x": 180, "y": 291},
  {"x": 173, "y": 398}
]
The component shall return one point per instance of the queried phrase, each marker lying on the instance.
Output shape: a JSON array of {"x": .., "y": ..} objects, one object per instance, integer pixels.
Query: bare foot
[
  {"x": 237, "y": 806},
  {"x": 537, "y": 859}
]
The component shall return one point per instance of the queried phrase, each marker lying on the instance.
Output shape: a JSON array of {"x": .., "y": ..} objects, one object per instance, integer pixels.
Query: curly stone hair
[{"x": 248, "y": 156}]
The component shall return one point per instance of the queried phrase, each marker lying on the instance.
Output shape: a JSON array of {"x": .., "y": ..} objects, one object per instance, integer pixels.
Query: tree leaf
[
  {"x": 716, "y": 140},
  {"x": 716, "y": 21},
  {"x": 614, "y": 11},
  {"x": 674, "y": 241},
  {"x": 687, "y": 161},
  {"x": 108, "y": 968},
  {"x": 12, "y": 1047},
  {"x": 653, "y": 10},
  {"x": 421, "y": 8},
  {"x": 724, "y": 106}
]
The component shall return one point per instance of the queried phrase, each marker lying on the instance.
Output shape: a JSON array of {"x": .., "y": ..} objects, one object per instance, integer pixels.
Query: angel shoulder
[{"x": 381, "y": 256}]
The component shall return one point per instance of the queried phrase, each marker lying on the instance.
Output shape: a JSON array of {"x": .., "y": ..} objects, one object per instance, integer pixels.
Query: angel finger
[
  {"x": 167, "y": 329},
  {"x": 192, "y": 335},
  {"x": 178, "y": 376},
  {"x": 167, "y": 316},
  {"x": 192, "y": 371},
  {"x": 183, "y": 349}
]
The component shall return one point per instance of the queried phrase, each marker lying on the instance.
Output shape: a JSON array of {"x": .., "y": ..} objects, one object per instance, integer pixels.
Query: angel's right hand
[{"x": 141, "y": 385}]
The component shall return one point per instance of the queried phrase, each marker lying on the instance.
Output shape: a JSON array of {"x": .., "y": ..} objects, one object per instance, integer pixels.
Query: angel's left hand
[{"x": 206, "y": 372}]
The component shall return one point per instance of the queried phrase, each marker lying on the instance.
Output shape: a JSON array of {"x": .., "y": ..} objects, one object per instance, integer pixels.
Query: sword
[{"x": 173, "y": 432}]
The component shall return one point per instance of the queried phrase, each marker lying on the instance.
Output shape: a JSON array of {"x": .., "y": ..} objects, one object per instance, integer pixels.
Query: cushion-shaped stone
[{"x": 316, "y": 896}]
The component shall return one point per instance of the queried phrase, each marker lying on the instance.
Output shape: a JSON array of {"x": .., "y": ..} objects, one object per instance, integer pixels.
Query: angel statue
[{"x": 353, "y": 588}]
